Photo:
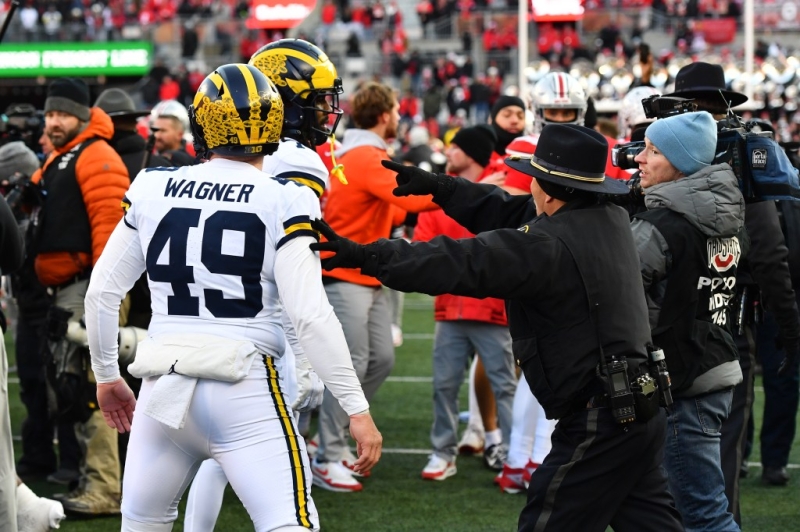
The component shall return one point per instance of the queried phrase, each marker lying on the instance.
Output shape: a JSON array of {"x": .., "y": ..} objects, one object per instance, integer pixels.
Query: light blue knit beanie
[{"x": 688, "y": 141}]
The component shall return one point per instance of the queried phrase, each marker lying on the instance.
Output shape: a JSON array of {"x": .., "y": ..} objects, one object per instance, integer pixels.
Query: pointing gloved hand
[
  {"x": 789, "y": 360},
  {"x": 310, "y": 389},
  {"x": 348, "y": 254},
  {"x": 413, "y": 181}
]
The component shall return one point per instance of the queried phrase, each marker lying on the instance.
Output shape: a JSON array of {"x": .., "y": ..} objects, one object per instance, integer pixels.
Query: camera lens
[{"x": 630, "y": 155}]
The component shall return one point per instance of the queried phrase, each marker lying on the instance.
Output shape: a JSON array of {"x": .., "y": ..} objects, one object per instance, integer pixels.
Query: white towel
[
  {"x": 170, "y": 399},
  {"x": 200, "y": 355}
]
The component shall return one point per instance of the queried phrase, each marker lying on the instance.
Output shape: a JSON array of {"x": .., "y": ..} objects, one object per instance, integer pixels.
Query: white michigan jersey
[
  {"x": 209, "y": 235},
  {"x": 298, "y": 163}
]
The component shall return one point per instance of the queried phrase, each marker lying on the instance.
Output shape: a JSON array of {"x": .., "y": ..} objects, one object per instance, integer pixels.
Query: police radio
[{"x": 618, "y": 388}]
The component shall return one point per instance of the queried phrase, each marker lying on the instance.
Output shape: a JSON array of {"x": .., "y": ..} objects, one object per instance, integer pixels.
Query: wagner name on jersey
[{"x": 206, "y": 232}]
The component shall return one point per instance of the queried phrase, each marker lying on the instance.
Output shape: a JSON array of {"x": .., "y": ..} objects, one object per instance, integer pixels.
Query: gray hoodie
[
  {"x": 355, "y": 138},
  {"x": 711, "y": 201}
]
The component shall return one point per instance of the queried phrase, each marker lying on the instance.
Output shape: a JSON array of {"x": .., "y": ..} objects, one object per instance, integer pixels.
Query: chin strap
[{"x": 338, "y": 169}]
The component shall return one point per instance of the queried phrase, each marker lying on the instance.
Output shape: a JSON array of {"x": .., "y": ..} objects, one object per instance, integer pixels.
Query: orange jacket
[
  {"x": 363, "y": 209},
  {"x": 103, "y": 180}
]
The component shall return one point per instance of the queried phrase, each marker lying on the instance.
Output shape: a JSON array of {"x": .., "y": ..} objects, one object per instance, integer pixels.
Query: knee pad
[{"x": 130, "y": 525}]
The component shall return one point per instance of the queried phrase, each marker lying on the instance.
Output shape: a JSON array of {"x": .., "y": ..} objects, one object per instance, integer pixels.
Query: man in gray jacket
[{"x": 690, "y": 241}]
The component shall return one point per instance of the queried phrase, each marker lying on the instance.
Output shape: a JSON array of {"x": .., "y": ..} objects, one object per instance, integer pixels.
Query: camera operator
[
  {"x": 22, "y": 122},
  {"x": 577, "y": 317},
  {"x": 764, "y": 270},
  {"x": 85, "y": 181},
  {"x": 690, "y": 241}
]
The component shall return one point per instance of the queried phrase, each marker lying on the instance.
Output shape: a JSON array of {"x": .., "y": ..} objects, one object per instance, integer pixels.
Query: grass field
[{"x": 395, "y": 499}]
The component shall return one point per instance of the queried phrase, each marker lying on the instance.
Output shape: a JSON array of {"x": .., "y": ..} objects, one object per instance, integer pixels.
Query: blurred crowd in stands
[{"x": 90, "y": 20}]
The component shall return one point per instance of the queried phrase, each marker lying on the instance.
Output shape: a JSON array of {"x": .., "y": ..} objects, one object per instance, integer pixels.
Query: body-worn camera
[{"x": 619, "y": 392}]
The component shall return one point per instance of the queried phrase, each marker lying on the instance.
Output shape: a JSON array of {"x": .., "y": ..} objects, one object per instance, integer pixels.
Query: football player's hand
[
  {"x": 368, "y": 441},
  {"x": 413, "y": 181},
  {"x": 117, "y": 403},
  {"x": 348, "y": 254},
  {"x": 789, "y": 361},
  {"x": 310, "y": 388}
]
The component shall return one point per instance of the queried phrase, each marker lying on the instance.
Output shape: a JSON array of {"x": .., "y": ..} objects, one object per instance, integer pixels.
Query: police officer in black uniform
[{"x": 576, "y": 310}]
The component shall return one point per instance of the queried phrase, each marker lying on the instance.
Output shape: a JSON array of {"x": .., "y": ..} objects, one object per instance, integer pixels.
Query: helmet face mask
[
  {"x": 321, "y": 113},
  {"x": 237, "y": 111},
  {"x": 557, "y": 90},
  {"x": 309, "y": 85}
]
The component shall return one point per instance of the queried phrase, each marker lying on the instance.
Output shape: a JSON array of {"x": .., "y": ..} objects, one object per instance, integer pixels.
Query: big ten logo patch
[{"x": 759, "y": 158}]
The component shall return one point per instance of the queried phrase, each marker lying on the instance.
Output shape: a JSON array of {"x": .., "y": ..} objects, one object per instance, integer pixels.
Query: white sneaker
[
  {"x": 349, "y": 461},
  {"x": 397, "y": 335},
  {"x": 472, "y": 441},
  {"x": 334, "y": 476},
  {"x": 438, "y": 468},
  {"x": 40, "y": 516}
]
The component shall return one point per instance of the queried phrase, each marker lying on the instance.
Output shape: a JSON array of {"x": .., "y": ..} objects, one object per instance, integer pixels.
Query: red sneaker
[{"x": 510, "y": 479}]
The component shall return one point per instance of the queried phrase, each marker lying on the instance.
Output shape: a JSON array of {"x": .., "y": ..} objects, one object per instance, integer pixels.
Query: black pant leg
[
  {"x": 781, "y": 397},
  {"x": 37, "y": 427},
  {"x": 734, "y": 429},
  {"x": 590, "y": 472}
]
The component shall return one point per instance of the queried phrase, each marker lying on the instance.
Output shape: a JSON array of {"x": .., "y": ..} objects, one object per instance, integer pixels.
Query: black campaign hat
[
  {"x": 570, "y": 156},
  {"x": 117, "y": 103},
  {"x": 704, "y": 80}
]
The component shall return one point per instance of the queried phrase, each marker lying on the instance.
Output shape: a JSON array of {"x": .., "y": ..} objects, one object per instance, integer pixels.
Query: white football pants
[{"x": 248, "y": 428}]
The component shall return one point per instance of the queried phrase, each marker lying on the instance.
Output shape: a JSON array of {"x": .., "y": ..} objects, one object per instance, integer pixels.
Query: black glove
[
  {"x": 789, "y": 359},
  {"x": 413, "y": 181},
  {"x": 348, "y": 254}
]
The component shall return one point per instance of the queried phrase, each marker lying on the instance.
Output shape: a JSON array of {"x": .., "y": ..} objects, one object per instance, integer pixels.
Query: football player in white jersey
[
  {"x": 309, "y": 86},
  {"x": 223, "y": 247}
]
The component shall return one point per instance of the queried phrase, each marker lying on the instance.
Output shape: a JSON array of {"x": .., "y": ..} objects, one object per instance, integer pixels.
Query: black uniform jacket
[
  {"x": 571, "y": 282},
  {"x": 766, "y": 265}
]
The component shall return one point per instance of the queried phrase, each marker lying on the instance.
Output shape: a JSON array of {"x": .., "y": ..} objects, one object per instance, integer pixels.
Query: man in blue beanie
[{"x": 690, "y": 242}]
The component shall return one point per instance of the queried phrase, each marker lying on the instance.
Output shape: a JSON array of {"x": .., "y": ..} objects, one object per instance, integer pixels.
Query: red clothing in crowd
[
  {"x": 170, "y": 90},
  {"x": 329, "y": 14},
  {"x": 409, "y": 108},
  {"x": 399, "y": 41},
  {"x": 448, "y": 307},
  {"x": 359, "y": 14},
  {"x": 522, "y": 146},
  {"x": 195, "y": 79}
]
